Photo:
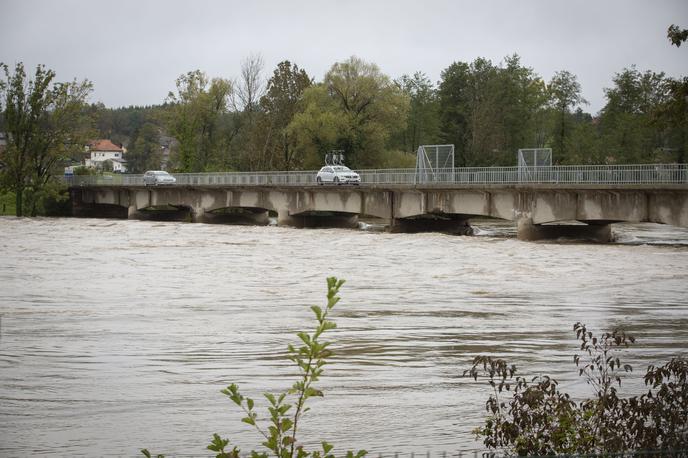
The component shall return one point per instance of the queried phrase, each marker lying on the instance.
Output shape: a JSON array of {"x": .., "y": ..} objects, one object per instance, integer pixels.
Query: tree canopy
[
  {"x": 355, "y": 109},
  {"x": 45, "y": 124}
]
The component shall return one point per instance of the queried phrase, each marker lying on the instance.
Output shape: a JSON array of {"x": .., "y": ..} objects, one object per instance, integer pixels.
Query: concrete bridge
[{"x": 541, "y": 210}]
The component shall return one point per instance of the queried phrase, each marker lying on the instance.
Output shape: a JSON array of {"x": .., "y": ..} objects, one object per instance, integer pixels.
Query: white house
[{"x": 104, "y": 150}]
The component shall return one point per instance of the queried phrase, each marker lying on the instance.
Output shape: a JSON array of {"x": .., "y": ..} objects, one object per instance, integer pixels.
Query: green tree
[
  {"x": 279, "y": 105},
  {"x": 316, "y": 126},
  {"x": 194, "y": 119},
  {"x": 565, "y": 94},
  {"x": 422, "y": 126},
  {"x": 520, "y": 93},
  {"x": 630, "y": 125},
  {"x": 360, "y": 104},
  {"x": 489, "y": 111},
  {"x": 247, "y": 121},
  {"x": 45, "y": 124},
  {"x": 455, "y": 110},
  {"x": 145, "y": 151},
  {"x": 676, "y": 35},
  {"x": 674, "y": 113}
]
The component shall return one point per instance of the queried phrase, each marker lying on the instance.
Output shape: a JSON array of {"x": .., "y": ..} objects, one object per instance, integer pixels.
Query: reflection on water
[{"x": 118, "y": 335}]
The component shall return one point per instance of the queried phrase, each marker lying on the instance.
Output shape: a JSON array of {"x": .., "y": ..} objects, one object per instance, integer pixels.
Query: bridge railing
[{"x": 558, "y": 174}]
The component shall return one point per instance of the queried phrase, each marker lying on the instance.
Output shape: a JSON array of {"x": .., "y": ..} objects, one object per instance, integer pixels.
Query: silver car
[
  {"x": 158, "y": 177},
  {"x": 337, "y": 174}
]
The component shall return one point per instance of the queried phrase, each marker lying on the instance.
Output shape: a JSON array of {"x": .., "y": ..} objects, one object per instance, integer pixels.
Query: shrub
[{"x": 539, "y": 419}]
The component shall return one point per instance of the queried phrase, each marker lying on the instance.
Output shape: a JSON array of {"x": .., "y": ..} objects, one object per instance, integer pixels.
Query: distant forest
[{"x": 488, "y": 111}]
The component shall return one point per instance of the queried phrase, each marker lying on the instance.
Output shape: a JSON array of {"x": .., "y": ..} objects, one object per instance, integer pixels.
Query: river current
[{"x": 119, "y": 335}]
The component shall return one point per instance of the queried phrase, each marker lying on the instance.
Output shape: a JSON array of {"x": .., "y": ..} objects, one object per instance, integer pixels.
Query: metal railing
[{"x": 558, "y": 174}]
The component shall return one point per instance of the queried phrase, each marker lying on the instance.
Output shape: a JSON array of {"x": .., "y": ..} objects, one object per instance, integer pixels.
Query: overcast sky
[{"x": 133, "y": 50}]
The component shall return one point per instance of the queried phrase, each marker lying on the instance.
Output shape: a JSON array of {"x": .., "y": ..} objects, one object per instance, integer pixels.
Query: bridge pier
[
  {"x": 530, "y": 232},
  {"x": 197, "y": 215},
  {"x": 133, "y": 212}
]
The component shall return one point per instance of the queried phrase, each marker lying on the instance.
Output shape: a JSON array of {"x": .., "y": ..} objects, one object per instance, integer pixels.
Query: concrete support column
[
  {"x": 530, "y": 232},
  {"x": 133, "y": 213},
  {"x": 198, "y": 215}
]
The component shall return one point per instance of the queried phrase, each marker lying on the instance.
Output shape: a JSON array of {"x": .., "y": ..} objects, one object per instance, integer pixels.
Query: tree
[
  {"x": 489, "y": 111},
  {"x": 565, "y": 94},
  {"x": 521, "y": 95},
  {"x": 360, "y": 105},
  {"x": 279, "y": 104},
  {"x": 316, "y": 126},
  {"x": 247, "y": 134},
  {"x": 194, "y": 119},
  {"x": 422, "y": 125},
  {"x": 674, "y": 113},
  {"x": 629, "y": 122},
  {"x": 455, "y": 109},
  {"x": 145, "y": 150},
  {"x": 676, "y": 35},
  {"x": 45, "y": 124}
]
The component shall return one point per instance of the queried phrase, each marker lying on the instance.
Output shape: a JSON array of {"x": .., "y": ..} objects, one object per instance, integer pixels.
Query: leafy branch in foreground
[
  {"x": 539, "y": 419},
  {"x": 280, "y": 434}
]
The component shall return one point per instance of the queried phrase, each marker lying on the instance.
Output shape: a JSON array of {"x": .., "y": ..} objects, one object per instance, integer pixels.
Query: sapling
[{"x": 280, "y": 431}]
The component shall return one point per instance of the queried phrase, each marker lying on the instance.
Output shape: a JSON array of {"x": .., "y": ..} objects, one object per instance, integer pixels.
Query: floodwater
[{"x": 119, "y": 335}]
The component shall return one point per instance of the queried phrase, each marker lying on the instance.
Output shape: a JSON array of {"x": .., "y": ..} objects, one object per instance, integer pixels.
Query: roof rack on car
[{"x": 335, "y": 157}]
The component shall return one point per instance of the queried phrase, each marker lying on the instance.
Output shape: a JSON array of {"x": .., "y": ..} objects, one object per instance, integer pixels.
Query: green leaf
[
  {"x": 318, "y": 312},
  {"x": 287, "y": 440},
  {"x": 326, "y": 447},
  {"x": 286, "y": 424},
  {"x": 249, "y": 421},
  {"x": 270, "y": 397},
  {"x": 313, "y": 392},
  {"x": 304, "y": 337},
  {"x": 218, "y": 444},
  {"x": 284, "y": 408},
  {"x": 249, "y": 402},
  {"x": 327, "y": 325}
]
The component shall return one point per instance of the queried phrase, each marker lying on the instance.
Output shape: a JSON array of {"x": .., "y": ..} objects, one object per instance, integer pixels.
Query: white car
[
  {"x": 158, "y": 177},
  {"x": 337, "y": 174}
]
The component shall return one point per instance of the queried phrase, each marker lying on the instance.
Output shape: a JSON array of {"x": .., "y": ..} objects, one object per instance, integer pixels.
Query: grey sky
[{"x": 133, "y": 50}]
